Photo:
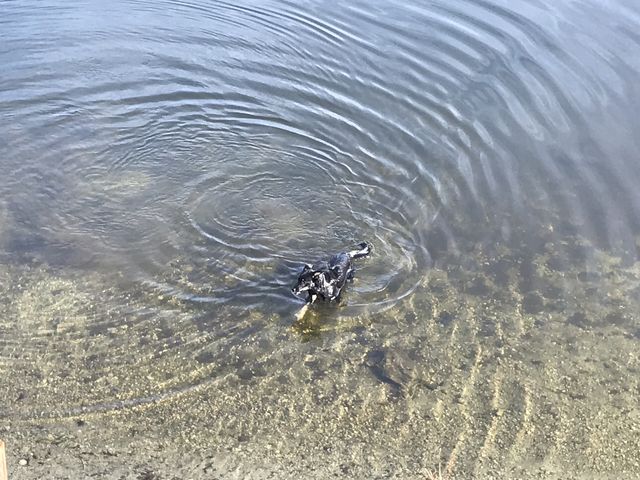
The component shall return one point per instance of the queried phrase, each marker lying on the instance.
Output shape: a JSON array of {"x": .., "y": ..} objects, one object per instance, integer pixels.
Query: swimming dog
[{"x": 325, "y": 279}]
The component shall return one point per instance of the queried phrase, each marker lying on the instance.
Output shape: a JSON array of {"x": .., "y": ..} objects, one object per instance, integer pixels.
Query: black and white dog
[{"x": 326, "y": 278}]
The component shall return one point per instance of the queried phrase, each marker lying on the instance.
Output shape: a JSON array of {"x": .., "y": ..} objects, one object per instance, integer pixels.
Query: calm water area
[{"x": 167, "y": 167}]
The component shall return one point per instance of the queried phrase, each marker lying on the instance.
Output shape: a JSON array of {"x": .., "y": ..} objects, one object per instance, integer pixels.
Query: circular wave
[
  {"x": 255, "y": 153},
  {"x": 204, "y": 152}
]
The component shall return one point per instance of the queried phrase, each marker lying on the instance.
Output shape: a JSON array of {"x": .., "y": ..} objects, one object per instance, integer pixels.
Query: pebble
[{"x": 23, "y": 462}]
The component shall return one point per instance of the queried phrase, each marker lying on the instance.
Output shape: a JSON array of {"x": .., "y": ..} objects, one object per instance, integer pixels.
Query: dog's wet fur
[{"x": 325, "y": 279}]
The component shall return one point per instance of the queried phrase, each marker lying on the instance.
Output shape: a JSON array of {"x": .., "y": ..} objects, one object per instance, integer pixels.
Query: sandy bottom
[{"x": 496, "y": 367}]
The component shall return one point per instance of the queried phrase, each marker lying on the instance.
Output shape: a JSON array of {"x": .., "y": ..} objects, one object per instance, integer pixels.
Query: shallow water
[{"x": 168, "y": 166}]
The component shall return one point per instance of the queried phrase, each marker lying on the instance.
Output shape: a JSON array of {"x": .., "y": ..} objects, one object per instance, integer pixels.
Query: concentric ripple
[
  {"x": 200, "y": 152},
  {"x": 260, "y": 216}
]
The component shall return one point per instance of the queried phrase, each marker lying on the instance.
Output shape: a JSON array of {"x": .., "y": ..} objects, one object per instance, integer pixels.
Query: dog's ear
[{"x": 306, "y": 267}]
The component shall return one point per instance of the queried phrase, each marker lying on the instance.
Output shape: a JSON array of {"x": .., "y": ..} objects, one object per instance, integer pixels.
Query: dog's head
[{"x": 309, "y": 280}]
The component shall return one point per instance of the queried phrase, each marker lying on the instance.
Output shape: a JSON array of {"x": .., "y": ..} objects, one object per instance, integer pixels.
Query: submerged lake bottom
[
  {"x": 475, "y": 375},
  {"x": 168, "y": 167}
]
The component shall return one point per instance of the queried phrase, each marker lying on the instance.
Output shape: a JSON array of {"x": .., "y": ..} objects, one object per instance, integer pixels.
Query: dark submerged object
[{"x": 326, "y": 278}]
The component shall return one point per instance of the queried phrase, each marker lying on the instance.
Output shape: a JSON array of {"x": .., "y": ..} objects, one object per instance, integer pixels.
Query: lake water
[{"x": 167, "y": 167}]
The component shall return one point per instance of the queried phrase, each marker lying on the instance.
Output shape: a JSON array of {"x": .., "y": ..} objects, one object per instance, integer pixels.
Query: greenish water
[{"x": 167, "y": 168}]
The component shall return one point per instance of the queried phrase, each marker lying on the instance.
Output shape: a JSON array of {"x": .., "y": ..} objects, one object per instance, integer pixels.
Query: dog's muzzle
[{"x": 297, "y": 290}]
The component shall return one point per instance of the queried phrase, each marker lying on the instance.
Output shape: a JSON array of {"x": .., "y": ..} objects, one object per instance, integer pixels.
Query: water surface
[{"x": 168, "y": 166}]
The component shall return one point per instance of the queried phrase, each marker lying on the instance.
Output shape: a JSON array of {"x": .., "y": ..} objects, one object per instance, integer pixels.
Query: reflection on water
[{"x": 167, "y": 167}]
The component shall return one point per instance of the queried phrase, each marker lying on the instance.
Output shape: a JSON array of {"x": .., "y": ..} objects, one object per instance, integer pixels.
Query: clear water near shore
[{"x": 167, "y": 167}]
